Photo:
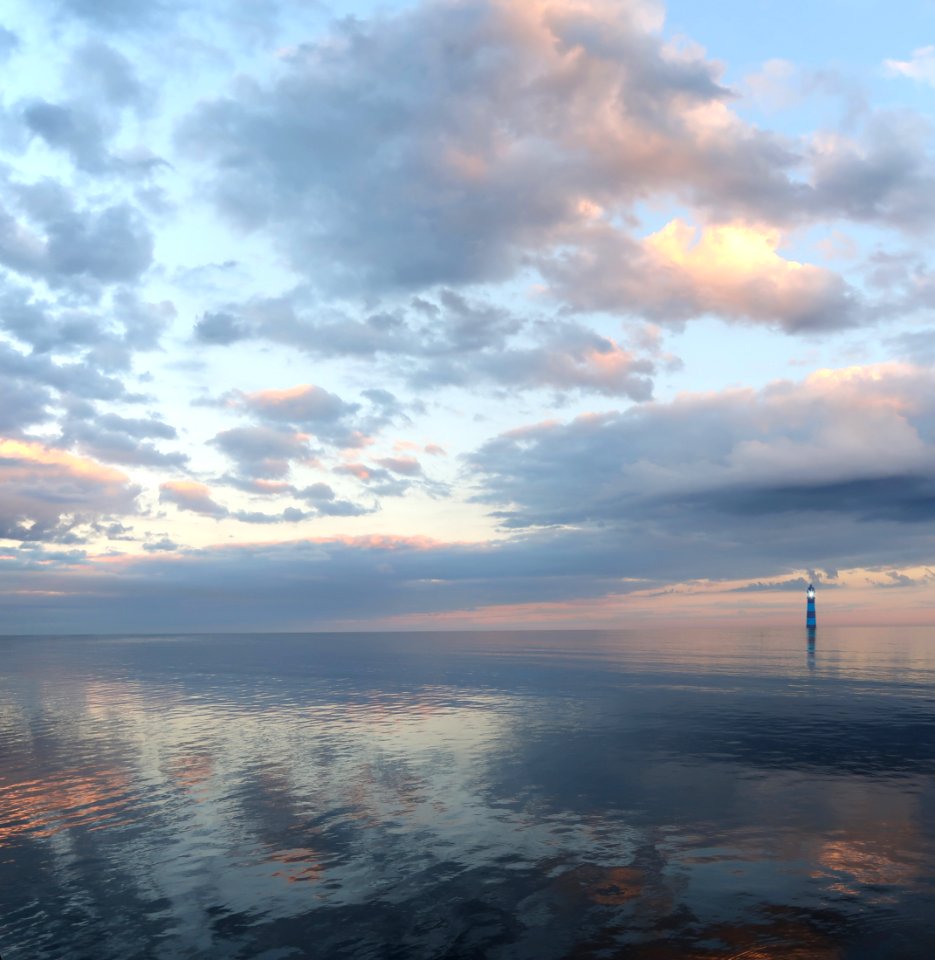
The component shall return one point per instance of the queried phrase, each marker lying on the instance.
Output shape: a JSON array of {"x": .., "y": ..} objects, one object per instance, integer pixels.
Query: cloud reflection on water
[{"x": 393, "y": 797}]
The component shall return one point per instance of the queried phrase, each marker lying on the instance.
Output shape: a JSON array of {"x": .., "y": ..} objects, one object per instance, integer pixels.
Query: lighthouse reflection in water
[{"x": 811, "y": 622}]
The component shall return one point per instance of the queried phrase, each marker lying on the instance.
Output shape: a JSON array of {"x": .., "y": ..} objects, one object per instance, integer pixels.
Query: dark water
[{"x": 645, "y": 795}]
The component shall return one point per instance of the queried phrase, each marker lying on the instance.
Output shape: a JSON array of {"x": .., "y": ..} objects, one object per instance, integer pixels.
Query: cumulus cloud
[
  {"x": 733, "y": 271},
  {"x": 193, "y": 496},
  {"x": 47, "y": 494},
  {"x": 509, "y": 125},
  {"x": 406, "y": 466},
  {"x": 263, "y": 452},
  {"x": 305, "y": 404}
]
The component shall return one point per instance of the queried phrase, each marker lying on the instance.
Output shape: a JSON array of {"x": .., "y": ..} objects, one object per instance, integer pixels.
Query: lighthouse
[{"x": 810, "y": 621}]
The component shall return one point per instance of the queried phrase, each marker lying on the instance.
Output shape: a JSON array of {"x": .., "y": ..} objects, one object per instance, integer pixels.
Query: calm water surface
[{"x": 645, "y": 795}]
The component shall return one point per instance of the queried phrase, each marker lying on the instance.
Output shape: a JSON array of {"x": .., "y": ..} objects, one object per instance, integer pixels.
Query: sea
[{"x": 648, "y": 794}]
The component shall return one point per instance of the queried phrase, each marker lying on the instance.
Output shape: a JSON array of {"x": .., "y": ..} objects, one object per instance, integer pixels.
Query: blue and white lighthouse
[{"x": 811, "y": 623}]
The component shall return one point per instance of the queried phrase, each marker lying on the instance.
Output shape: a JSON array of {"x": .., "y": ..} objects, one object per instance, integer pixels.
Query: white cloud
[{"x": 920, "y": 66}]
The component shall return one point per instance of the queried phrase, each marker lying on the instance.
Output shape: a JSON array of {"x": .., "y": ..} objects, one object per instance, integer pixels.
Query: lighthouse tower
[{"x": 810, "y": 621}]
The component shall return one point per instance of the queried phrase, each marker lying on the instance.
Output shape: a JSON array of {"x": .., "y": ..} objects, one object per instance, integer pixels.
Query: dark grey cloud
[
  {"x": 318, "y": 581},
  {"x": 834, "y": 472}
]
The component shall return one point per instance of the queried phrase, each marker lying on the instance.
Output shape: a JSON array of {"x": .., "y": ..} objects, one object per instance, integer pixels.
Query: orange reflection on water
[
  {"x": 609, "y": 886},
  {"x": 302, "y": 864},
  {"x": 191, "y": 772},
  {"x": 862, "y": 863},
  {"x": 45, "y": 807}
]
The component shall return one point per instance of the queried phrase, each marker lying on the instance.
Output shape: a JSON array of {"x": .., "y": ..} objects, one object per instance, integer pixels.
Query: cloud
[
  {"x": 886, "y": 176},
  {"x": 22, "y": 404},
  {"x": 896, "y": 580},
  {"x": 70, "y": 128},
  {"x": 119, "y": 16},
  {"x": 507, "y": 126},
  {"x": 730, "y": 270},
  {"x": 105, "y": 336},
  {"x": 834, "y": 471},
  {"x": 198, "y": 498},
  {"x": 302, "y": 583},
  {"x": 921, "y": 66},
  {"x": 793, "y": 585},
  {"x": 115, "y": 439},
  {"x": 263, "y": 452},
  {"x": 291, "y": 416},
  {"x": 78, "y": 379},
  {"x": 220, "y": 329},
  {"x": 407, "y": 466},
  {"x": 306, "y": 405},
  {"x": 47, "y": 494},
  {"x": 193, "y": 496},
  {"x": 110, "y": 244},
  {"x": 83, "y": 126},
  {"x": 445, "y": 340},
  {"x": 106, "y": 75},
  {"x": 9, "y": 43}
]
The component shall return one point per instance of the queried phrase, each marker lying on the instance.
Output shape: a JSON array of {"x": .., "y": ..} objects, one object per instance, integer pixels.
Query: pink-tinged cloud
[
  {"x": 302, "y": 404},
  {"x": 46, "y": 493},
  {"x": 734, "y": 271},
  {"x": 358, "y": 470},
  {"x": 434, "y": 450},
  {"x": 405, "y": 466},
  {"x": 920, "y": 66},
  {"x": 193, "y": 496}
]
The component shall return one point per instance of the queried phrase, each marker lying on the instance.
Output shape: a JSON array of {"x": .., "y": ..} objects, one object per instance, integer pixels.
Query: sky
[{"x": 465, "y": 313}]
